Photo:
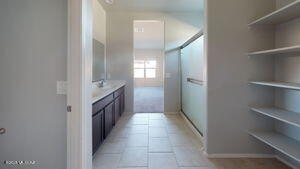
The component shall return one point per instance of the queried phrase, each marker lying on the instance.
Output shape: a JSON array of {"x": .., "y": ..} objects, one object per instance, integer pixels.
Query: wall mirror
[{"x": 99, "y": 61}]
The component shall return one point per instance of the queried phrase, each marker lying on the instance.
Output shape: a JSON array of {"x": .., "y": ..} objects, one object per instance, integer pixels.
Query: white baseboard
[
  {"x": 191, "y": 126},
  {"x": 250, "y": 156},
  {"x": 239, "y": 155},
  {"x": 286, "y": 162}
]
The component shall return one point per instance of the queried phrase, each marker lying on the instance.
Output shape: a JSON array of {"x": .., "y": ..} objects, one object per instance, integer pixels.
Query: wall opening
[{"x": 148, "y": 66}]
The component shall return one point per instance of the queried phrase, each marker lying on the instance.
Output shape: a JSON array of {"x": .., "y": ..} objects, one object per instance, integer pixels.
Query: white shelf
[
  {"x": 294, "y": 86},
  {"x": 286, "y": 116},
  {"x": 281, "y": 15},
  {"x": 284, "y": 144},
  {"x": 276, "y": 51}
]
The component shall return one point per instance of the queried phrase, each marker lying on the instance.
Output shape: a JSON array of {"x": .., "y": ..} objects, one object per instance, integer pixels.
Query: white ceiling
[
  {"x": 156, "y": 5},
  {"x": 152, "y": 37}
]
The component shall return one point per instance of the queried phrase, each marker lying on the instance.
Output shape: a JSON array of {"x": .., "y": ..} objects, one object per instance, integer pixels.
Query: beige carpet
[{"x": 148, "y": 100}]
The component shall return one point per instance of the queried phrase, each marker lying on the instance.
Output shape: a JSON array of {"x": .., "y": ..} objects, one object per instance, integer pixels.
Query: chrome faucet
[{"x": 101, "y": 83}]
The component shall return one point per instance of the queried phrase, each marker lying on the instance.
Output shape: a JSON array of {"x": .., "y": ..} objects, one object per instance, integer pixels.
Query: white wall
[
  {"x": 227, "y": 40},
  {"x": 33, "y": 54},
  {"x": 99, "y": 22},
  {"x": 99, "y": 42},
  {"x": 178, "y": 28},
  {"x": 147, "y": 54}
]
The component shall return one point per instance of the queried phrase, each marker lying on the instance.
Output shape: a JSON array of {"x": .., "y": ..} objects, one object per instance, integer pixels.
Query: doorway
[{"x": 149, "y": 47}]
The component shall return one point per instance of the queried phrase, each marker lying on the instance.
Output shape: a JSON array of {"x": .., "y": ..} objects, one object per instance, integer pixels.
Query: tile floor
[{"x": 151, "y": 141}]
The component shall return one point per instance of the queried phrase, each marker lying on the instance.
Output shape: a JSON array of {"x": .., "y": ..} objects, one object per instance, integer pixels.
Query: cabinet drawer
[
  {"x": 119, "y": 92},
  {"x": 102, "y": 103}
]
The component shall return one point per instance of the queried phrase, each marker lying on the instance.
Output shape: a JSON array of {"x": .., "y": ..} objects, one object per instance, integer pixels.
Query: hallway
[
  {"x": 148, "y": 99},
  {"x": 160, "y": 141}
]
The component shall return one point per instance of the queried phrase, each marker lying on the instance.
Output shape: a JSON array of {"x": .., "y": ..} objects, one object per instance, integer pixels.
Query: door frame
[
  {"x": 79, "y": 68},
  {"x": 163, "y": 57}
]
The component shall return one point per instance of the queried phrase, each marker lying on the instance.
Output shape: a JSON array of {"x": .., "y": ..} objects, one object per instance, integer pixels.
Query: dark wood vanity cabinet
[
  {"x": 106, "y": 113},
  {"x": 98, "y": 130},
  {"x": 117, "y": 112},
  {"x": 122, "y": 102},
  {"x": 108, "y": 118}
]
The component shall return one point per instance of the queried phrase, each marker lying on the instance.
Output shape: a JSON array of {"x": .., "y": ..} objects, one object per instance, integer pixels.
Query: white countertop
[{"x": 109, "y": 87}]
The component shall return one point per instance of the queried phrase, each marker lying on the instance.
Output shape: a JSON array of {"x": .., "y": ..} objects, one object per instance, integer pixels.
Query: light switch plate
[{"x": 61, "y": 87}]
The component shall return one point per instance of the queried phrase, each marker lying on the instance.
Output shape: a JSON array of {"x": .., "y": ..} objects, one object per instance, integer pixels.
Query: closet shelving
[
  {"x": 280, "y": 142},
  {"x": 286, "y": 116},
  {"x": 284, "y": 14},
  {"x": 284, "y": 144},
  {"x": 285, "y": 85},
  {"x": 284, "y": 50}
]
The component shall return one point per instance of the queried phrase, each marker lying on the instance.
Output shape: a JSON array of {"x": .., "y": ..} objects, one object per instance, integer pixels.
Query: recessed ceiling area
[
  {"x": 155, "y": 5},
  {"x": 148, "y": 35}
]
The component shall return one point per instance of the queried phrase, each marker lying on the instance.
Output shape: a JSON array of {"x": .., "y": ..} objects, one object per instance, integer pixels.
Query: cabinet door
[
  {"x": 122, "y": 103},
  {"x": 117, "y": 109},
  {"x": 97, "y": 130},
  {"x": 102, "y": 123},
  {"x": 108, "y": 118}
]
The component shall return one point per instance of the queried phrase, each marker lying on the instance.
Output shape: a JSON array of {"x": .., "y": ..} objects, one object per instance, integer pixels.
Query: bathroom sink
[{"x": 106, "y": 87}]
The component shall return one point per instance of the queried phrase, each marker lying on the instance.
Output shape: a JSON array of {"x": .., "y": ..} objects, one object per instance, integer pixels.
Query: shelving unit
[
  {"x": 278, "y": 140},
  {"x": 285, "y": 50},
  {"x": 285, "y": 85},
  {"x": 281, "y": 15},
  {"x": 284, "y": 144},
  {"x": 286, "y": 116}
]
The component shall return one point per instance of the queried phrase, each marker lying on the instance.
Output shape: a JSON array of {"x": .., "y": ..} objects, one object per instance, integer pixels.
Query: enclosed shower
[{"x": 192, "y": 83}]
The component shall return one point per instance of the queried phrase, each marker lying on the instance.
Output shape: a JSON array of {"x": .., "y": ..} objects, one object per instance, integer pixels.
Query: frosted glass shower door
[{"x": 192, "y": 94}]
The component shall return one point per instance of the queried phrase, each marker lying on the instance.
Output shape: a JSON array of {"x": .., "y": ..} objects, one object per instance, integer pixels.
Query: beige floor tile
[
  {"x": 157, "y": 132},
  {"x": 138, "y": 121},
  {"x": 113, "y": 147},
  {"x": 155, "y": 116},
  {"x": 176, "y": 121},
  {"x": 118, "y": 134},
  {"x": 180, "y": 140},
  {"x": 135, "y": 168},
  {"x": 188, "y": 156},
  {"x": 141, "y": 115},
  {"x": 134, "y": 157},
  {"x": 162, "y": 161},
  {"x": 177, "y": 129},
  {"x": 138, "y": 129},
  {"x": 160, "y": 145},
  {"x": 156, "y": 123},
  {"x": 106, "y": 161},
  {"x": 122, "y": 123},
  {"x": 137, "y": 140}
]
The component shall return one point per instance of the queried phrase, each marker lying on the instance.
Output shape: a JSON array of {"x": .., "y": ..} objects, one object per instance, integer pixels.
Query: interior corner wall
[
  {"x": 228, "y": 39},
  {"x": 179, "y": 27},
  {"x": 33, "y": 57}
]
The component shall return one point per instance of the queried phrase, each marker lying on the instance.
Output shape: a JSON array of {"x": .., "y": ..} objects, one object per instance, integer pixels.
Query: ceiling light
[{"x": 109, "y": 1}]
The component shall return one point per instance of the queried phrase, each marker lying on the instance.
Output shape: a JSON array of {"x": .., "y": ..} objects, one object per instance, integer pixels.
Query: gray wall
[
  {"x": 33, "y": 52},
  {"x": 228, "y": 39},
  {"x": 178, "y": 28}
]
